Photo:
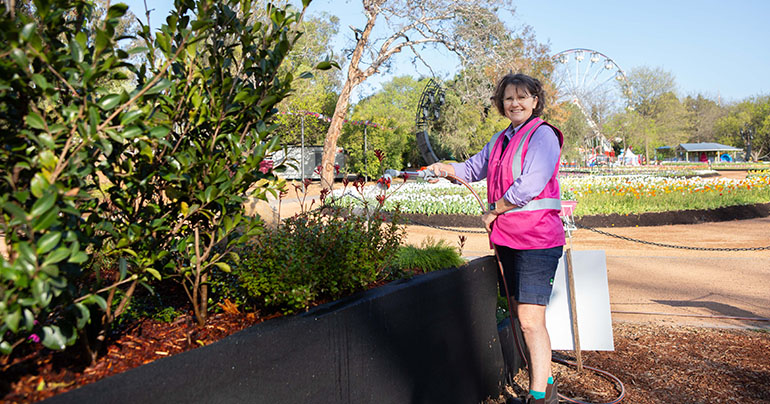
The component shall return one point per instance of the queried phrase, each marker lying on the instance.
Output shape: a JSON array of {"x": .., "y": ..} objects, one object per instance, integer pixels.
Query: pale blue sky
[{"x": 715, "y": 48}]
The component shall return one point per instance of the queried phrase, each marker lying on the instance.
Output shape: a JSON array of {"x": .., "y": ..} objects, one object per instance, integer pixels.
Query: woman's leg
[{"x": 532, "y": 318}]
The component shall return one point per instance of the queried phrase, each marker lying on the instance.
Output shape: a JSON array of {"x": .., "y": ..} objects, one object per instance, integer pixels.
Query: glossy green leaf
[
  {"x": 41, "y": 291},
  {"x": 132, "y": 132},
  {"x": 109, "y": 102},
  {"x": 16, "y": 211},
  {"x": 43, "y": 204},
  {"x": 325, "y": 65},
  {"x": 78, "y": 258},
  {"x": 40, "y": 81},
  {"x": 82, "y": 315},
  {"x": 130, "y": 116},
  {"x": 161, "y": 85},
  {"x": 20, "y": 58},
  {"x": 102, "y": 41},
  {"x": 122, "y": 267},
  {"x": 154, "y": 273},
  {"x": 76, "y": 52},
  {"x": 53, "y": 338},
  {"x": 48, "y": 159},
  {"x": 46, "y": 220},
  {"x": 56, "y": 256},
  {"x": 35, "y": 121},
  {"x": 116, "y": 11},
  {"x": 27, "y": 31},
  {"x": 223, "y": 266},
  {"x": 12, "y": 319},
  {"x": 96, "y": 299},
  {"x": 48, "y": 242}
]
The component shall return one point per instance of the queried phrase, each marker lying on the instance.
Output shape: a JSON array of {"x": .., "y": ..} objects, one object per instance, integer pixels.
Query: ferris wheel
[{"x": 594, "y": 83}]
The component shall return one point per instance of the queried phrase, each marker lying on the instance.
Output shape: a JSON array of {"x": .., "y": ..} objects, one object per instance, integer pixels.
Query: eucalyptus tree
[
  {"x": 702, "y": 116},
  {"x": 407, "y": 25},
  {"x": 747, "y": 125}
]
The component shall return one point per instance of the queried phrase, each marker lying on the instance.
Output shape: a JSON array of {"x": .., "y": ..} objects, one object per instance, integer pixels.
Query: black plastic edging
[{"x": 430, "y": 339}]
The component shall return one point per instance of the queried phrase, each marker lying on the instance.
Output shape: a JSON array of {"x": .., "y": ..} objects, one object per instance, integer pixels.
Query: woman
[{"x": 521, "y": 165}]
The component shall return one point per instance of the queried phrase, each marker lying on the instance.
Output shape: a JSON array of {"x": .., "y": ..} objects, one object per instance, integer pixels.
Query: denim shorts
[{"x": 529, "y": 273}]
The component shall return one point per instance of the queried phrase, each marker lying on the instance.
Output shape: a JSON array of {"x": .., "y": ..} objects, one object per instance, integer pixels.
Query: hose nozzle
[{"x": 422, "y": 174}]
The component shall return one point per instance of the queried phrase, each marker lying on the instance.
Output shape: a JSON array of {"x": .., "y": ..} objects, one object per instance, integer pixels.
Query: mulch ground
[
  {"x": 657, "y": 364},
  {"x": 667, "y": 364}
]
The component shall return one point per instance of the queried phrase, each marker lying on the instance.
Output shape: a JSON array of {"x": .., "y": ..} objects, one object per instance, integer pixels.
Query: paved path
[{"x": 681, "y": 282}]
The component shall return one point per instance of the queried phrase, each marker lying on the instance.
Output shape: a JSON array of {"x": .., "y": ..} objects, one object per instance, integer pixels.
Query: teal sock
[
  {"x": 550, "y": 379},
  {"x": 537, "y": 394}
]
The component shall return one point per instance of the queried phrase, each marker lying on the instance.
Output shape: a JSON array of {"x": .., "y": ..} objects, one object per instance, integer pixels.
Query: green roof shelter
[{"x": 709, "y": 151}]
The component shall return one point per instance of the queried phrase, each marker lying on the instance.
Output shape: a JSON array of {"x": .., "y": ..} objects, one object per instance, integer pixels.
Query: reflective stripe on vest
[
  {"x": 492, "y": 143},
  {"x": 538, "y": 204}
]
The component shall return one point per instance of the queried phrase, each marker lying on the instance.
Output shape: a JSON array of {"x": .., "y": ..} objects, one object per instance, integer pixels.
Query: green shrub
[
  {"x": 320, "y": 254},
  {"x": 431, "y": 256},
  {"x": 153, "y": 177}
]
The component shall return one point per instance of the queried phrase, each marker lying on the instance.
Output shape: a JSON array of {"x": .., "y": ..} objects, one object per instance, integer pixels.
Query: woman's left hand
[{"x": 488, "y": 218}]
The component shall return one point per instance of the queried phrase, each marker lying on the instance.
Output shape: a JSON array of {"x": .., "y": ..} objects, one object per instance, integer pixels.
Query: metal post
[
  {"x": 302, "y": 150},
  {"x": 366, "y": 166}
]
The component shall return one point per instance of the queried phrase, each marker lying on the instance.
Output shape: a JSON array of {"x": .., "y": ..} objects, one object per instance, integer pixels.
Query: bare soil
[{"x": 689, "y": 325}]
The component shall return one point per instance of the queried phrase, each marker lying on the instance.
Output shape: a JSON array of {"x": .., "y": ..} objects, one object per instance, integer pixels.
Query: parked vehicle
[{"x": 304, "y": 162}]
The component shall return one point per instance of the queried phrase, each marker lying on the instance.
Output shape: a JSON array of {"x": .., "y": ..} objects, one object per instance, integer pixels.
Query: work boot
[
  {"x": 532, "y": 400},
  {"x": 551, "y": 393}
]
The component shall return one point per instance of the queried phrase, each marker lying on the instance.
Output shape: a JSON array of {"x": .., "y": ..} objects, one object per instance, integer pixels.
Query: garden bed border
[{"x": 429, "y": 339}]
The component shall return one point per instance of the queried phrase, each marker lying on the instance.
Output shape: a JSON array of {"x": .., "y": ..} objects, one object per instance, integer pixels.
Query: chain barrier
[
  {"x": 414, "y": 222},
  {"x": 633, "y": 240}
]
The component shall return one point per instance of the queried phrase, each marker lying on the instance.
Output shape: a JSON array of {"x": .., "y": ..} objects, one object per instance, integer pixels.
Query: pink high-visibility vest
[{"x": 537, "y": 224}]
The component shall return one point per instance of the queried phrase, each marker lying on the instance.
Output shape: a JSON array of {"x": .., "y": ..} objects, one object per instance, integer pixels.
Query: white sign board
[{"x": 592, "y": 298}]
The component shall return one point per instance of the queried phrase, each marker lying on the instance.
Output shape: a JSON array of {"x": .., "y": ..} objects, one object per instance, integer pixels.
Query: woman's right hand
[{"x": 441, "y": 169}]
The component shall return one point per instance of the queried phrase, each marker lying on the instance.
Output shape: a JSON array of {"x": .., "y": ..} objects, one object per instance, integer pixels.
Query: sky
[{"x": 715, "y": 48}]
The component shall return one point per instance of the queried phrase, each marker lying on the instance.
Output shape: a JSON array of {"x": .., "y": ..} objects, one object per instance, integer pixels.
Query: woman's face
[{"x": 518, "y": 104}]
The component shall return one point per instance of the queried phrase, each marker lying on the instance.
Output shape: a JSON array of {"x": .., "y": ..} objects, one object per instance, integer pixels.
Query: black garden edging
[
  {"x": 430, "y": 339},
  {"x": 693, "y": 216}
]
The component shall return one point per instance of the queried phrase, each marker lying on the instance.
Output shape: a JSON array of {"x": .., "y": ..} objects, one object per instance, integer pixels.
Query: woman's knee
[{"x": 531, "y": 317}]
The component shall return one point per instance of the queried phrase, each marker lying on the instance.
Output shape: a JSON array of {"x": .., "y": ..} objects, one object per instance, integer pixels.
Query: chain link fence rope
[{"x": 630, "y": 239}]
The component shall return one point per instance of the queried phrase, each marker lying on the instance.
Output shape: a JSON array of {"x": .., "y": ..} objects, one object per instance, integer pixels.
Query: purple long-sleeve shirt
[{"x": 542, "y": 157}]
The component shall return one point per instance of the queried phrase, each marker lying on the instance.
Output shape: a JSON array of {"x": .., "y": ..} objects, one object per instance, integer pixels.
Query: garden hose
[{"x": 424, "y": 174}]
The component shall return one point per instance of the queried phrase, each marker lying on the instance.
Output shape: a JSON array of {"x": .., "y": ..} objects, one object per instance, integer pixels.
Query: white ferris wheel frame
[{"x": 590, "y": 77}]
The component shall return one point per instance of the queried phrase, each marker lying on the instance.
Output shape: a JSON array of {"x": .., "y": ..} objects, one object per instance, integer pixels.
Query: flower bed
[{"x": 596, "y": 194}]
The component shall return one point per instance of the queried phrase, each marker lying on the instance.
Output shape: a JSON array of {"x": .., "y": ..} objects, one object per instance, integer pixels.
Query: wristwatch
[{"x": 492, "y": 207}]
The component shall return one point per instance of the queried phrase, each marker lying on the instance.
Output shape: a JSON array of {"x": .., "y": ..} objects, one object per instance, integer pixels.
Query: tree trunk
[
  {"x": 355, "y": 77},
  {"x": 335, "y": 128}
]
